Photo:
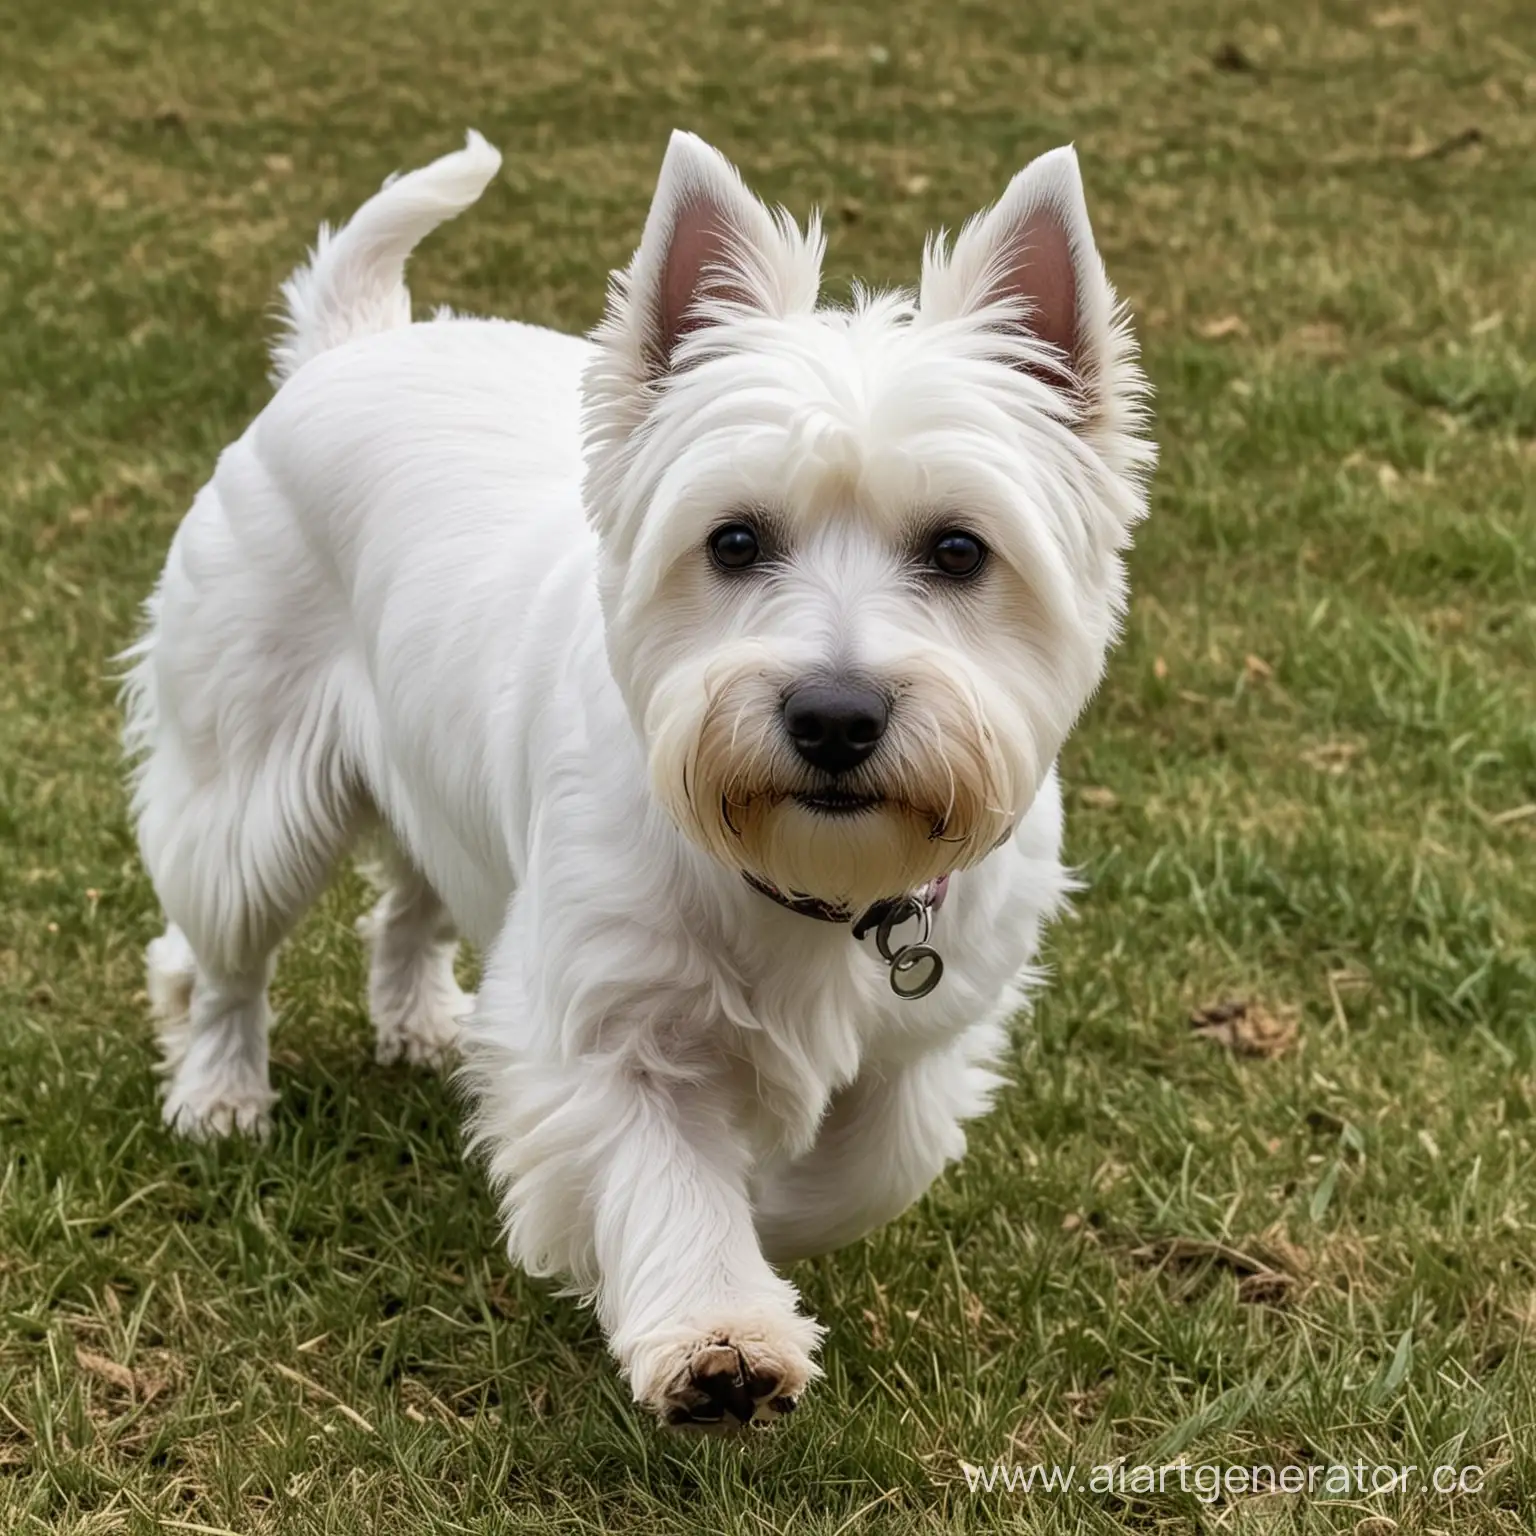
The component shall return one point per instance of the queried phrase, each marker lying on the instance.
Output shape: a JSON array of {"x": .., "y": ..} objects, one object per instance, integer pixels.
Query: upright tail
[{"x": 354, "y": 281}]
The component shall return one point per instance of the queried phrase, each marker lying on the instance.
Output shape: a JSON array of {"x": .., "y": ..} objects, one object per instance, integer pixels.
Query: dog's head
[{"x": 860, "y": 567}]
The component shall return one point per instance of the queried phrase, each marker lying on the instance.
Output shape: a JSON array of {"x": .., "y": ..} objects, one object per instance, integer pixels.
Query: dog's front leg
[
  {"x": 885, "y": 1138},
  {"x": 702, "y": 1325},
  {"x": 634, "y": 1183}
]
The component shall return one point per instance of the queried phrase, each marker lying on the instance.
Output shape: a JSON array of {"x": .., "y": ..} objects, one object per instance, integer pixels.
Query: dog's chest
[{"x": 821, "y": 1010}]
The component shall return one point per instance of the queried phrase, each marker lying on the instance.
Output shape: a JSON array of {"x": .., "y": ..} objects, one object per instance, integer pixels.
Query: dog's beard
[{"x": 942, "y": 790}]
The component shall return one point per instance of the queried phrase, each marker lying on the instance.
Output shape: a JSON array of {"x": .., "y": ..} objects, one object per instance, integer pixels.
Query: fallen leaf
[
  {"x": 1227, "y": 325},
  {"x": 1085, "y": 1406},
  {"x": 107, "y": 1370},
  {"x": 1350, "y": 978},
  {"x": 1159, "y": 668},
  {"x": 1257, "y": 669},
  {"x": 1320, "y": 336},
  {"x": 878, "y": 1336},
  {"x": 1231, "y": 59},
  {"x": 137, "y": 1384},
  {"x": 1466, "y": 139},
  {"x": 1266, "y": 1288},
  {"x": 1097, "y": 798},
  {"x": 1246, "y": 1028},
  {"x": 1332, "y": 757},
  {"x": 1263, "y": 1276},
  {"x": 915, "y": 186},
  {"x": 1440, "y": 621}
]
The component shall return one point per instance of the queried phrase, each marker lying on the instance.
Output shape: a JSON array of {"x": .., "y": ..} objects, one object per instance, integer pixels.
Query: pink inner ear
[
  {"x": 700, "y": 243},
  {"x": 1041, "y": 271}
]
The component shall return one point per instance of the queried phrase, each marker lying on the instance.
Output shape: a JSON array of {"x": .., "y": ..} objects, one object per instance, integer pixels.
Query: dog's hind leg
[
  {"x": 414, "y": 999},
  {"x": 213, "y": 1041},
  {"x": 237, "y": 848}
]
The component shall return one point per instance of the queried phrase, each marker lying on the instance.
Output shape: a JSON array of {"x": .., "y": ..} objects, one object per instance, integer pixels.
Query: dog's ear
[
  {"x": 1031, "y": 258},
  {"x": 710, "y": 250}
]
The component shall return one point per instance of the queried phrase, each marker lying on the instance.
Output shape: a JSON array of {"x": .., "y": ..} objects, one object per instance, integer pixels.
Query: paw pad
[{"x": 721, "y": 1387}]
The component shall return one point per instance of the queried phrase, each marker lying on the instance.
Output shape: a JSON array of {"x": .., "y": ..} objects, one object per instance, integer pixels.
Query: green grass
[{"x": 1337, "y": 292}]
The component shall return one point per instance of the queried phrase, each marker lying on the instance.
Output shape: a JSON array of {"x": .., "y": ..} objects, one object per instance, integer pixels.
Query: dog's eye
[
  {"x": 957, "y": 553},
  {"x": 734, "y": 547}
]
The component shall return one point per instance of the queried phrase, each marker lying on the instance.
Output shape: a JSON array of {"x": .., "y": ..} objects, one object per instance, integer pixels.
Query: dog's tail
[{"x": 354, "y": 281}]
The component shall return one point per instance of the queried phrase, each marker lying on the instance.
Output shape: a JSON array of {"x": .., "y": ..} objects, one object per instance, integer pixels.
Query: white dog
[{"x": 697, "y": 672}]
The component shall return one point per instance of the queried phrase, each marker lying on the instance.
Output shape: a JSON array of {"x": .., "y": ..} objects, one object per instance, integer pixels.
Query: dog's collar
[
  {"x": 915, "y": 968},
  {"x": 931, "y": 896}
]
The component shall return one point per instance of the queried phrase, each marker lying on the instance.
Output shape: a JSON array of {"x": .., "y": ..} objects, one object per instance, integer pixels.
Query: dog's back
[{"x": 372, "y": 497}]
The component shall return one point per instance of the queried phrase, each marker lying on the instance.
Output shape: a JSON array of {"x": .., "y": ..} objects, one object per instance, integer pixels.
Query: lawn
[{"x": 1302, "y": 1236}]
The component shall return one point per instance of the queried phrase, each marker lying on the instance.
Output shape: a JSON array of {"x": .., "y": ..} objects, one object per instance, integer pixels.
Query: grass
[{"x": 1308, "y": 783}]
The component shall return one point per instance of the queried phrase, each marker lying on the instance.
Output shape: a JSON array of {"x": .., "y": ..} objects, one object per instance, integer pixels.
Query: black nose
[{"x": 835, "y": 725}]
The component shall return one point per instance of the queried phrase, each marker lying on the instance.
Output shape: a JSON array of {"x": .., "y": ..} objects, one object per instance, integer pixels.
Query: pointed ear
[
  {"x": 1034, "y": 250},
  {"x": 709, "y": 248}
]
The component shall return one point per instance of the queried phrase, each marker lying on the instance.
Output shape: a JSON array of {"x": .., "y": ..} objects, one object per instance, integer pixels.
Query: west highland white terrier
[{"x": 708, "y": 674}]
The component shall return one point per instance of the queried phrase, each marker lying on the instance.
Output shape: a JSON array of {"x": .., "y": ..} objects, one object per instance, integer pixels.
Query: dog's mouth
[{"x": 837, "y": 802}]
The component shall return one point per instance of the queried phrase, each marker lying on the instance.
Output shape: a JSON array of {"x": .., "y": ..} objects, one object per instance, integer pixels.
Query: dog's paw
[
  {"x": 751, "y": 1370},
  {"x": 209, "y": 1112},
  {"x": 425, "y": 1036},
  {"x": 417, "y": 1007}
]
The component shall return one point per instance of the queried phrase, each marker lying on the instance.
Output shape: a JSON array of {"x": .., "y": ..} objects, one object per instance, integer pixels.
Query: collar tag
[{"x": 916, "y": 969}]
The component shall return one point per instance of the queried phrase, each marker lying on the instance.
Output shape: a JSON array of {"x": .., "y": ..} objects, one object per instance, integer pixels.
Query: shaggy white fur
[{"x": 537, "y": 607}]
